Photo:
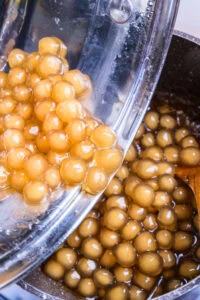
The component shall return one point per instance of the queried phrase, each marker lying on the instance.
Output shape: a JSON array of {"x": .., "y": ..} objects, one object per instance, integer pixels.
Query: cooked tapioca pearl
[
  {"x": 35, "y": 192},
  {"x": 123, "y": 274},
  {"x": 162, "y": 199},
  {"x": 167, "y": 121},
  {"x": 167, "y": 183},
  {"x": 109, "y": 159},
  {"x": 96, "y": 180},
  {"x": 151, "y": 120},
  {"x": 14, "y": 121},
  {"x": 18, "y": 180},
  {"x": 153, "y": 183},
  {"x": 136, "y": 293},
  {"x": 31, "y": 61},
  {"x": 62, "y": 91},
  {"x": 16, "y": 58},
  {"x": 116, "y": 201},
  {"x": 171, "y": 154},
  {"x": 148, "y": 140},
  {"x": 145, "y": 241},
  {"x": 13, "y": 138},
  {"x": 16, "y": 158},
  {"x": 108, "y": 259},
  {"x": 153, "y": 152},
  {"x": 164, "y": 168},
  {"x": 150, "y": 263},
  {"x": 131, "y": 154},
  {"x": 169, "y": 259},
  {"x": 84, "y": 149},
  {"x": 130, "y": 230},
  {"x": 164, "y": 138},
  {"x": 70, "y": 109},
  {"x": 183, "y": 212},
  {"x": 91, "y": 248},
  {"x": 165, "y": 109},
  {"x": 86, "y": 287},
  {"x": 43, "y": 107},
  {"x": 130, "y": 183},
  {"x": 42, "y": 143},
  {"x": 189, "y": 141},
  {"x": 49, "y": 64},
  {"x": 167, "y": 216},
  {"x": 22, "y": 93},
  {"x": 32, "y": 80},
  {"x": 52, "y": 45},
  {"x": 72, "y": 278},
  {"x": 123, "y": 172},
  {"x": 103, "y": 137},
  {"x": 53, "y": 269},
  {"x": 164, "y": 239},
  {"x": 74, "y": 240},
  {"x": 115, "y": 218},
  {"x": 7, "y": 105},
  {"x": 73, "y": 170},
  {"x": 181, "y": 194},
  {"x": 52, "y": 177},
  {"x": 108, "y": 238},
  {"x": 114, "y": 187},
  {"x": 66, "y": 257},
  {"x": 88, "y": 227},
  {"x": 150, "y": 222},
  {"x": 42, "y": 89},
  {"x": 16, "y": 76},
  {"x": 180, "y": 133},
  {"x": 120, "y": 292},
  {"x": 190, "y": 156},
  {"x": 145, "y": 168},
  {"x": 31, "y": 130},
  {"x": 58, "y": 141},
  {"x": 141, "y": 131},
  {"x": 51, "y": 123},
  {"x": 4, "y": 92},
  {"x": 144, "y": 281},
  {"x": 143, "y": 195},
  {"x": 80, "y": 81},
  {"x": 137, "y": 212},
  {"x": 76, "y": 131},
  {"x": 24, "y": 109},
  {"x": 91, "y": 124},
  {"x": 182, "y": 241},
  {"x": 35, "y": 166},
  {"x": 56, "y": 158},
  {"x": 186, "y": 226},
  {"x": 103, "y": 277}
]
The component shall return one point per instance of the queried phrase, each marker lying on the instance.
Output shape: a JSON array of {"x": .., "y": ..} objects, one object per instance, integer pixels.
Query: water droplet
[{"x": 120, "y": 10}]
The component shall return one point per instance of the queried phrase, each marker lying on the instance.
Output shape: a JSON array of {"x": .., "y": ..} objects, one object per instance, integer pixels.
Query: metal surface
[
  {"x": 122, "y": 48},
  {"x": 181, "y": 75}
]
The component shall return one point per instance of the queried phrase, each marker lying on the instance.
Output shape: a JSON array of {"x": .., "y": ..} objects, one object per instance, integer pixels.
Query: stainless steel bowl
[{"x": 181, "y": 76}]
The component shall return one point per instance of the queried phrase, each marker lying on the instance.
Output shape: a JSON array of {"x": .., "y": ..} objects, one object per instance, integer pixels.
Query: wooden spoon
[{"x": 191, "y": 176}]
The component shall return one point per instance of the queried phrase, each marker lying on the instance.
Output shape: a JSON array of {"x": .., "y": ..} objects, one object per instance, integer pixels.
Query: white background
[{"x": 188, "y": 19}]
